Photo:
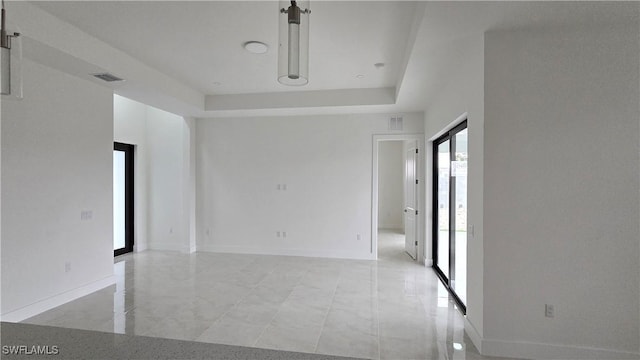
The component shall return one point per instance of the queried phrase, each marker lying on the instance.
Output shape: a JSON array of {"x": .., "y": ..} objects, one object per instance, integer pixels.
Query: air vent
[
  {"x": 107, "y": 77},
  {"x": 395, "y": 123}
]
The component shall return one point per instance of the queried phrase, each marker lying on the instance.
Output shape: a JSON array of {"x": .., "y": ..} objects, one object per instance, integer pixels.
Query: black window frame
[
  {"x": 450, "y": 136},
  {"x": 128, "y": 150}
]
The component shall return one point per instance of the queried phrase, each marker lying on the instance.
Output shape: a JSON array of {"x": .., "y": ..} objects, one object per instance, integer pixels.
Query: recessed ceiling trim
[{"x": 301, "y": 99}]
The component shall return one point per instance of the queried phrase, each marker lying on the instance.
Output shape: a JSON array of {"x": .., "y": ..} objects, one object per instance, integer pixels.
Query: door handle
[{"x": 407, "y": 209}]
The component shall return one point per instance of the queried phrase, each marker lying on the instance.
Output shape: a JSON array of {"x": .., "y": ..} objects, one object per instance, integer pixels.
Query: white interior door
[{"x": 410, "y": 199}]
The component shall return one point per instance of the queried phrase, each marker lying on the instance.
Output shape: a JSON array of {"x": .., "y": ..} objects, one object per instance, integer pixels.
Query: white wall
[
  {"x": 56, "y": 162},
  {"x": 130, "y": 127},
  {"x": 561, "y": 183},
  {"x": 461, "y": 96},
  {"x": 189, "y": 182},
  {"x": 164, "y": 174},
  {"x": 390, "y": 185},
  {"x": 326, "y": 163},
  {"x": 167, "y": 225}
]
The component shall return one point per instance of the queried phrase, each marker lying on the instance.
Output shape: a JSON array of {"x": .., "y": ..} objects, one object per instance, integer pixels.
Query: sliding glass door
[
  {"x": 450, "y": 154},
  {"x": 122, "y": 198}
]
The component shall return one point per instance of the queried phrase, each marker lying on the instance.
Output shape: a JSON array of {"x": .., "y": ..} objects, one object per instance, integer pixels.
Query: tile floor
[{"x": 392, "y": 308}]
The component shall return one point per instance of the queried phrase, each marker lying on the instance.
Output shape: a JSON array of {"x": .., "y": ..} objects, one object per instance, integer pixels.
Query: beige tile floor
[{"x": 392, "y": 308}]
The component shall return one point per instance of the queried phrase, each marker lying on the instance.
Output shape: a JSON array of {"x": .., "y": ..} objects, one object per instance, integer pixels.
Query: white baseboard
[
  {"x": 57, "y": 300},
  {"x": 424, "y": 261},
  {"x": 399, "y": 228},
  {"x": 283, "y": 252},
  {"x": 532, "y": 350},
  {"x": 473, "y": 333},
  {"x": 428, "y": 262},
  {"x": 140, "y": 247},
  {"x": 165, "y": 246}
]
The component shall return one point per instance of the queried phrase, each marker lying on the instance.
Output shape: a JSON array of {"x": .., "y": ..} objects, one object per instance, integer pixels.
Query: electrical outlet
[
  {"x": 170, "y": 230},
  {"x": 67, "y": 266},
  {"x": 278, "y": 187},
  {"x": 549, "y": 311},
  {"x": 284, "y": 234},
  {"x": 358, "y": 237},
  {"x": 86, "y": 215},
  {"x": 284, "y": 187},
  {"x": 277, "y": 233}
]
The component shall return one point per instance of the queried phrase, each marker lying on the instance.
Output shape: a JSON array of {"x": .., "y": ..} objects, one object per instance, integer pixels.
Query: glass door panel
[
  {"x": 459, "y": 248},
  {"x": 443, "y": 207},
  {"x": 119, "y": 200},
  {"x": 122, "y": 198}
]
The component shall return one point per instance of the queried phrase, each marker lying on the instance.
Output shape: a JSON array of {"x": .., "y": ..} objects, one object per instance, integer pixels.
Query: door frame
[
  {"x": 420, "y": 221},
  {"x": 128, "y": 150}
]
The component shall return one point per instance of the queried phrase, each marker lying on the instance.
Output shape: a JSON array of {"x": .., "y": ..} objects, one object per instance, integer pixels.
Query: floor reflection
[{"x": 392, "y": 308}]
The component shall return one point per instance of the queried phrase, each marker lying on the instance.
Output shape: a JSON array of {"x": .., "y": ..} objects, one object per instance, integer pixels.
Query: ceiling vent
[
  {"x": 107, "y": 77},
  {"x": 395, "y": 123}
]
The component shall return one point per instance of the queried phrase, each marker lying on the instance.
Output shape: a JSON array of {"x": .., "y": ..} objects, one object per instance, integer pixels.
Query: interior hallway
[{"x": 392, "y": 308}]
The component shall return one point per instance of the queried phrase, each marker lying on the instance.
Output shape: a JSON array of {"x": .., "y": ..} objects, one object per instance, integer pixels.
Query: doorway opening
[
  {"x": 391, "y": 193},
  {"x": 122, "y": 198},
  {"x": 450, "y": 159},
  {"x": 396, "y": 198}
]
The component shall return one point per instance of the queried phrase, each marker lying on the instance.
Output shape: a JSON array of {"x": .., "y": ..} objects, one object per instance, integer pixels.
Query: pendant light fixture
[
  {"x": 293, "y": 49},
  {"x": 5, "y": 57}
]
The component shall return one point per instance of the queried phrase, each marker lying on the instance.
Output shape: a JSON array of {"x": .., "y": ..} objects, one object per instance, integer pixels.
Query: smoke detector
[{"x": 256, "y": 47}]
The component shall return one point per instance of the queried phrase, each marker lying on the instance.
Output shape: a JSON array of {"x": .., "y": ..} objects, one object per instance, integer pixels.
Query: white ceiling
[{"x": 200, "y": 43}]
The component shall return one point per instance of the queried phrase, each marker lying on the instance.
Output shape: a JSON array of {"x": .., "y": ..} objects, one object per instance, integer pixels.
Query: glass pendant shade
[
  {"x": 11, "y": 70},
  {"x": 10, "y": 60},
  {"x": 5, "y": 75},
  {"x": 293, "y": 46}
]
